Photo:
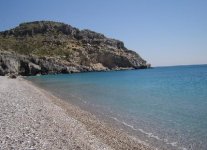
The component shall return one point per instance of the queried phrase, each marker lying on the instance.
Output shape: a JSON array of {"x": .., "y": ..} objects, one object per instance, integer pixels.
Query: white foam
[{"x": 150, "y": 135}]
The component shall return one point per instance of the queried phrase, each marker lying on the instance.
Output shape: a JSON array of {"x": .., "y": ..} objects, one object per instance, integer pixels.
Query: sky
[{"x": 163, "y": 32}]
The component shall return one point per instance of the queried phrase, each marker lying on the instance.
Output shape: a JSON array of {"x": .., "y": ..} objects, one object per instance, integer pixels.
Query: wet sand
[{"x": 32, "y": 118}]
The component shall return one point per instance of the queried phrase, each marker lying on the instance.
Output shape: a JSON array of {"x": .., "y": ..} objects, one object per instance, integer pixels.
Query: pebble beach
[{"x": 31, "y": 118}]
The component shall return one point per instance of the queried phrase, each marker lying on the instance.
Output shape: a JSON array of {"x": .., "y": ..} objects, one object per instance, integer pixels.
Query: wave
[{"x": 150, "y": 135}]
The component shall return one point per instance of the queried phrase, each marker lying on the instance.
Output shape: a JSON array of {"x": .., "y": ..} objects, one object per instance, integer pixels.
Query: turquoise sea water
[{"x": 165, "y": 107}]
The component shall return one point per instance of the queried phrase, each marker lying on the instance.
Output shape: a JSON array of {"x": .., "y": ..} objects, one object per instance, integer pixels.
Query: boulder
[{"x": 34, "y": 69}]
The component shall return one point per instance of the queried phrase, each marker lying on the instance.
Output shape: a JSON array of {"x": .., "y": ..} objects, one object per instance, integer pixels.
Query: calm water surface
[{"x": 165, "y": 107}]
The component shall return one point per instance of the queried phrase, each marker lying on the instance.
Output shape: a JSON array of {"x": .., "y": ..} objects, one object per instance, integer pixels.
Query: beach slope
[{"x": 31, "y": 119}]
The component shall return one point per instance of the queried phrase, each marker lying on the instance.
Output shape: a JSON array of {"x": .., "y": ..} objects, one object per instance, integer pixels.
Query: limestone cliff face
[{"x": 45, "y": 47}]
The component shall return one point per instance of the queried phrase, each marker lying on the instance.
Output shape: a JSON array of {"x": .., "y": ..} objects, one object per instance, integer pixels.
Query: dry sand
[{"x": 32, "y": 118}]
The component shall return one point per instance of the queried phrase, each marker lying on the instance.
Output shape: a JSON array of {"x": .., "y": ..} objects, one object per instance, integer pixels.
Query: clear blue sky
[{"x": 164, "y": 32}]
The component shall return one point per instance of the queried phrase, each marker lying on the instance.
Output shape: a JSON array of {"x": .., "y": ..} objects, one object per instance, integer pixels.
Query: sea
[{"x": 164, "y": 107}]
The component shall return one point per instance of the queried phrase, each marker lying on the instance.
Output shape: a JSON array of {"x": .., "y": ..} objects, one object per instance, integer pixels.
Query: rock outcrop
[{"x": 45, "y": 47}]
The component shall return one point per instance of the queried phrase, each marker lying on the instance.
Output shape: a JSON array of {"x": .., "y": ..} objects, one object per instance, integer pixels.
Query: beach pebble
[{"x": 29, "y": 120}]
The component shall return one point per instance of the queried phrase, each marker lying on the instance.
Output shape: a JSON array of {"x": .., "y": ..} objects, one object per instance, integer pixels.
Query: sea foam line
[{"x": 150, "y": 135}]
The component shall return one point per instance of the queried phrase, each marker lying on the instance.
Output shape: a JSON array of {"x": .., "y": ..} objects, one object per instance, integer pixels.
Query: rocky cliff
[{"x": 46, "y": 47}]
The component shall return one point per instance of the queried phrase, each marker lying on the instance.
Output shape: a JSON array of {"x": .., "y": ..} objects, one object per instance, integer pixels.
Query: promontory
[{"x": 47, "y": 47}]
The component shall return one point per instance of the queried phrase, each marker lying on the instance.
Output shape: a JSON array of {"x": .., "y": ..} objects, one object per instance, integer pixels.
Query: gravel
[{"x": 30, "y": 121}]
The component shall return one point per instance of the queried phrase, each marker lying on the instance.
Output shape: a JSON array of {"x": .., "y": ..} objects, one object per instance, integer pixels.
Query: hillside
[{"x": 45, "y": 47}]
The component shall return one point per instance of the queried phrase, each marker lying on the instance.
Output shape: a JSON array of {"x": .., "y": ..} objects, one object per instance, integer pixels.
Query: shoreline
[
  {"x": 92, "y": 133},
  {"x": 110, "y": 123}
]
